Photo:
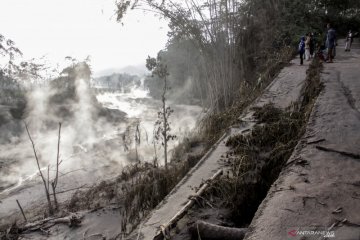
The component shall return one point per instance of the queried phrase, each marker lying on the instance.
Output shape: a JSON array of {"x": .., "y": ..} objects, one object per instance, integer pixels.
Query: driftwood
[
  {"x": 164, "y": 229},
  {"x": 208, "y": 231}
]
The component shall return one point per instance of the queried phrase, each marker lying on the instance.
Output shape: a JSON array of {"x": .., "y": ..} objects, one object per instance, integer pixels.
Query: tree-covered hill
[{"x": 224, "y": 48}]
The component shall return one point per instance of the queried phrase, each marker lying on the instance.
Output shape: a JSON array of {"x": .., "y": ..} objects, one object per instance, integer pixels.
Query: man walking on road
[
  {"x": 330, "y": 42},
  {"x": 301, "y": 50}
]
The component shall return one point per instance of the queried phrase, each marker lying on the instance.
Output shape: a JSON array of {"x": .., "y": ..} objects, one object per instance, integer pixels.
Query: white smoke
[{"x": 90, "y": 142}]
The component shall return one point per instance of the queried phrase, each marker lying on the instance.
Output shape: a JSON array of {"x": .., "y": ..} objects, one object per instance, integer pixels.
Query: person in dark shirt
[
  {"x": 301, "y": 50},
  {"x": 330, "y": 42}
]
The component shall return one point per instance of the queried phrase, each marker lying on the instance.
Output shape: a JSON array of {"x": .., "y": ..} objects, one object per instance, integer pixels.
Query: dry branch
[
  {"x": 57, "y": 158},
  {"x": 55, "y": 182},
  {"x": 21, "y": 209},
  {"x": 51, "y": 211},
  {"x": 72, "y": 189}
]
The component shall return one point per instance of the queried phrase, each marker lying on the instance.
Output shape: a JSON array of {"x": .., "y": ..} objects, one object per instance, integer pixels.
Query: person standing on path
[
  {"x": 330, "y": 42},
  {"x": 307, "y": 47},
  {"x": 349, "y": 40},
  {"x": 301, "y": 50},
  {"x": 312, "y": 45}
]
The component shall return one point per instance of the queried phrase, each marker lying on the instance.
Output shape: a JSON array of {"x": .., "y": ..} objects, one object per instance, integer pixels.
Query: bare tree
[
  {"x": 137, "y": 141},
  {"x": 46, "y": 182},
  {"x": 155, "y": 160},
  {"x": 46, "y": 186},
  {"x": 55, "y": 181},
  {"x": 162, "y": 125}
]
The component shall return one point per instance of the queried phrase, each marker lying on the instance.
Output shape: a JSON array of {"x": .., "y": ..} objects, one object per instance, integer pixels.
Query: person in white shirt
[{"x": 349, "y": 40}]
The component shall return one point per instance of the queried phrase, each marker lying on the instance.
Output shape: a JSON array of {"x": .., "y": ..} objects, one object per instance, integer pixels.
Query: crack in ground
[{"x": 348, "y": 154}]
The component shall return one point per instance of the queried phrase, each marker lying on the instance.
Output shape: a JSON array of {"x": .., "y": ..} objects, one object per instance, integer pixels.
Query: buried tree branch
[
  {"x": 14, "y": 231},
  {"x": 71, "y": 221},
  {"x": 207, "y": 231}
]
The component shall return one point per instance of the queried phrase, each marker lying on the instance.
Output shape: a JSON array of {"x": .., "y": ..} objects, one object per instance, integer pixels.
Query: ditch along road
[
  {"x": 282, "y": 92},
  {"x": 320, "y": 187}
]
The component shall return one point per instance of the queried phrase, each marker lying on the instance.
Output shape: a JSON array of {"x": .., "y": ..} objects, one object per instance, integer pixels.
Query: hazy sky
[{"x": 59, "y": 28}]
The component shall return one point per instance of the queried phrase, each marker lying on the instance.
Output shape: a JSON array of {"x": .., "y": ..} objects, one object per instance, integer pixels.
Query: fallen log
[
  {"x": 208, "y": 231},
  {"x": 71, "y": 221}
]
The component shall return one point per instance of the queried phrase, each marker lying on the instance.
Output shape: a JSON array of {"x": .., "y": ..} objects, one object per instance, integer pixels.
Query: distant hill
[
  {"x": 117, "y": 81},
  {"x": 139, "y": 70}
]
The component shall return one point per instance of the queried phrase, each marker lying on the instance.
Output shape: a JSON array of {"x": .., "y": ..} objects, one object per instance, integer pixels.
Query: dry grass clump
[
  {"x": 259, "y": 158},
  {"x": 186, "y": 148},
  {"x": 276, "y": 128},
  {"x": 214, "y": 125},
  {"x": 149, "y": 189},
  {"x": 313, "y": 87}
]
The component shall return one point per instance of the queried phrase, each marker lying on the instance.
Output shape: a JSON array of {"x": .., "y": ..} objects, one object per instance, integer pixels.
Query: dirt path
[
  {"x": 320, "y": 188},
  {"x": 284, "y": 90}
]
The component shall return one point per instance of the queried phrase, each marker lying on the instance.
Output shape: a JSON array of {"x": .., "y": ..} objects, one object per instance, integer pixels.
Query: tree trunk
[{"x": 165, "y": 123}]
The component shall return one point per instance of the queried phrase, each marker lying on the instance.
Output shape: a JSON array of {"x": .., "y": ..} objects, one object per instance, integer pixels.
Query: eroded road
[
  {"x": 320, "y": 188},
  {"x": 283, "y": 91}
]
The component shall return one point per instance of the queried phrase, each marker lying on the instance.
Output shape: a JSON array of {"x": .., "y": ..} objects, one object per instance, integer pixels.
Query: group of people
[
  {"x": 325, "y": 52},
  {"x": 307, "y": 46}
]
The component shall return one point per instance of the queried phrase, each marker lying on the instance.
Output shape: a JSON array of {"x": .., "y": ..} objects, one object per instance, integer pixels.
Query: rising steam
[{"x": 90, "y": 142}]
